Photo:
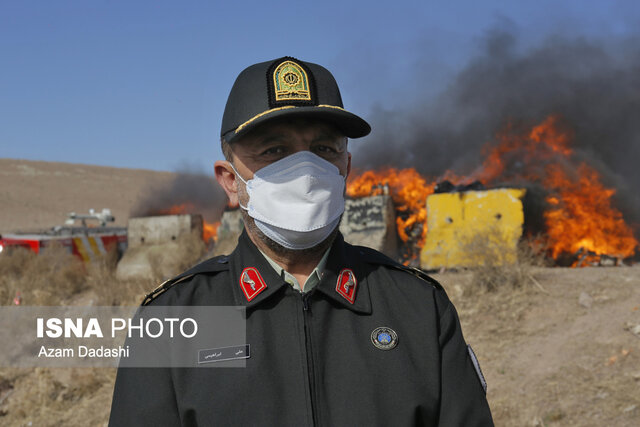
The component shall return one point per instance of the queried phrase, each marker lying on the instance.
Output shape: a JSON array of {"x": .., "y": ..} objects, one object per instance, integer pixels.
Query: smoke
[
  {"x": 197, "y": 192},
  {"x": 593, "y": 85}
]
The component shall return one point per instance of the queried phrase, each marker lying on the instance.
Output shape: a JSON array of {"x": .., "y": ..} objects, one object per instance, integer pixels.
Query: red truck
[{"x": 85, "y": 241}]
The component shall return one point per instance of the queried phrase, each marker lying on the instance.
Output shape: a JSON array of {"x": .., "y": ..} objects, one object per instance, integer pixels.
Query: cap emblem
[
  {"x": 384, "y": 338},
  {"x": 346, "y": 285},
  {"x": 291, "y": 82},
  {"x": 251, "y": 283}
]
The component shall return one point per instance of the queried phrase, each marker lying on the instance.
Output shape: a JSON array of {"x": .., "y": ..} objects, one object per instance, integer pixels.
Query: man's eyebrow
[
  {"x": 326, "y": 135},
  {"x": 270, "y": 138}
]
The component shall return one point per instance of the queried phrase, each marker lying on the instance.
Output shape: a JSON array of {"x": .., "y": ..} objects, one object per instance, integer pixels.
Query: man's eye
[
  {"x": 325, "y": 149},
  {"x": 273, "y": 150}
]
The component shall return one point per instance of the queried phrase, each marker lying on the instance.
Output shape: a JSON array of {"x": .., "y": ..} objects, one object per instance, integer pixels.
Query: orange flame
[
  {"x": 409, "y": 191},
  {"x": 210, "y": 231},
  {"x": 180, "y": 209},
  {"x": 542, "y": 143},
  {"x": 581, "y": 215}
]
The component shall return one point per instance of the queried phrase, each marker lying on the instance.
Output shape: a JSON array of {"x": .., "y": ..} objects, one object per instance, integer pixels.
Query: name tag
[{"x": 224, "y": 353}]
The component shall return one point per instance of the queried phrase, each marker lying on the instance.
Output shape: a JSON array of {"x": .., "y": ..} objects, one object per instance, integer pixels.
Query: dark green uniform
[{"x": 313, "y": 360}]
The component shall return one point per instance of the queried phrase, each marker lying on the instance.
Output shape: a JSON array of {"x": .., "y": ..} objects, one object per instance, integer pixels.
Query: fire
[
  {"x": 580, "y": 217},
  {"x": 543, "y": 143},
  {"x": 209, "y": 229},
  {"x": 409, "y": 191},
  {"x": 182, "y": 208}
]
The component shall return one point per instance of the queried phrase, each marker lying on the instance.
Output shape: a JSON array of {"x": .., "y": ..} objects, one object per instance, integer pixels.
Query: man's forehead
[{"x": 294, "y": 125}]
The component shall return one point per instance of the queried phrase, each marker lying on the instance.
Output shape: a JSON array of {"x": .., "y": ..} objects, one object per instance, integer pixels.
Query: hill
[{"x": 39, "y": 195}]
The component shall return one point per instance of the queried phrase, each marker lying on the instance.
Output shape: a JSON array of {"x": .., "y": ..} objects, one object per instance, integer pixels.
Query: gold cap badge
[{"x": 291, "y": 82}]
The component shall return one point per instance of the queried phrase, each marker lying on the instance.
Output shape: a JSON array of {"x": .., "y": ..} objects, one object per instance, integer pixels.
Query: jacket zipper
[{"x": 310, "y": 370}]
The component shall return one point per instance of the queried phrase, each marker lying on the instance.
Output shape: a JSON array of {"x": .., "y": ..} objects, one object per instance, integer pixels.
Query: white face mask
[{"x": 296, "y": 201}]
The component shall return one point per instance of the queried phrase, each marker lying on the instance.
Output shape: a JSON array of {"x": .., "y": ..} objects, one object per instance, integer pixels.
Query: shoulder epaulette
[
  {"x": 375, "y": 257},
  {"x": 420, "y": 274},
  {"x": 212, "y": 265}
]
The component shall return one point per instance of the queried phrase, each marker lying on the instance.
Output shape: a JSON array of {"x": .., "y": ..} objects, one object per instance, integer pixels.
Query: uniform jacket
[{"x": 312, "y": 358}]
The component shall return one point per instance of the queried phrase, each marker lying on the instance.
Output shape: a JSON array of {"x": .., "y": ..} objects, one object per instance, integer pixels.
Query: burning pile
[
  {"x": 209, "y": 229},
  {"x": 187, "y": 193},
  {"x": 580, "y": 218},
  {"x": 409, "y": 191}
]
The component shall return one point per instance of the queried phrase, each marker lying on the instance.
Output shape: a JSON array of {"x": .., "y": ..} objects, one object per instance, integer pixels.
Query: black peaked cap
[{"x": 286, "y": 87}]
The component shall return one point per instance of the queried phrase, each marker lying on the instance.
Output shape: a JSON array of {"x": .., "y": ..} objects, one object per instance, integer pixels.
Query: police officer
[{"x": 339, "y": 335}]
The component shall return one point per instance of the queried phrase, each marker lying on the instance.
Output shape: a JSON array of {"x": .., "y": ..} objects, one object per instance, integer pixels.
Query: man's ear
[
  {"x": 348, "y": 164},
  {"x": 227, "y": 180}
]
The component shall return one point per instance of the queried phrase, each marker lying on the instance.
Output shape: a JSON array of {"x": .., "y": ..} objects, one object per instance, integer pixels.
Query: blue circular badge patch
[{"x": 384, "y": 338}]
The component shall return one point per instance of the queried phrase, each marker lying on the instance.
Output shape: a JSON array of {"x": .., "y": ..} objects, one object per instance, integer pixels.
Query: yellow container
[{"x": 473, "y": 228}]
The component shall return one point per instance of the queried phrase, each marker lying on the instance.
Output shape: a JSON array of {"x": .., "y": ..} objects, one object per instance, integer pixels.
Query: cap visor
[{"x": 349, "y": 124}]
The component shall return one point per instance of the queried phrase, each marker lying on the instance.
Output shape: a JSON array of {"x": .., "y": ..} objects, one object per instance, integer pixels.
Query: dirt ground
[
  {"x": 561, "y": 350},
  {"x": 550, "y": 357}
]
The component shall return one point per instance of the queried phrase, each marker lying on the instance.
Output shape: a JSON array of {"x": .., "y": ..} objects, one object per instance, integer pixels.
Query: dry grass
[
  {"x": 52, "y": 396},
  {"x": 55, "y": 396},
  {"x": 499, "y": 265},
  {"x": 56, "y": 277},
  {"x": 70, "y": 396},
  {"x": 547, "y": 358},
  {"x": 45, "y": 279},
  {"x": 184, "y": 253}
]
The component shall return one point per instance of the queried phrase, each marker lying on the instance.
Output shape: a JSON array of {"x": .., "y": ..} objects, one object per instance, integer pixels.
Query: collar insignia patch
[
  {"x": 347, "y": 284},
  {"x": 291, "y": 82},
  {"x": 251, "y": 283},
  {"x": 384, "y": 338}
]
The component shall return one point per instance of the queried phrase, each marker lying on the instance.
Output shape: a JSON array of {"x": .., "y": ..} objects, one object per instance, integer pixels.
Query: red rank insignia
[
  {"x": 346, "y": 285},
  {"x": 251, "y": 283}
]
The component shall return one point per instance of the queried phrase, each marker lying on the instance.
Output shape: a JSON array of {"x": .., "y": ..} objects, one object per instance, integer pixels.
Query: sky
[{"x": 143, "y": 84}]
